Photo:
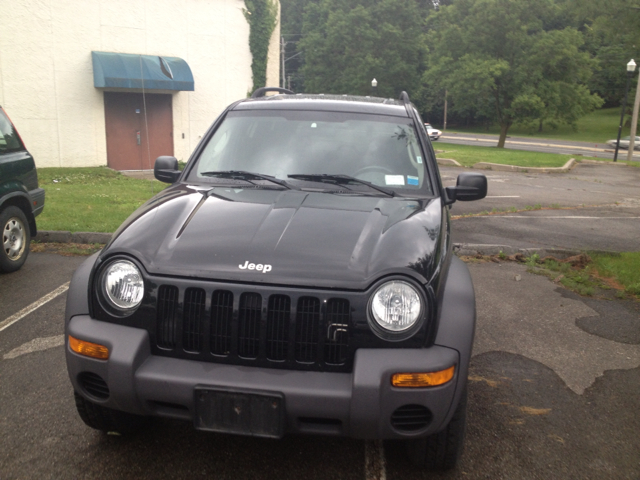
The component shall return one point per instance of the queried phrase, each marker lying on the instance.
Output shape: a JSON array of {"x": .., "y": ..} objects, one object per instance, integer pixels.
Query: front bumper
[{"x": 359, "y": 404}]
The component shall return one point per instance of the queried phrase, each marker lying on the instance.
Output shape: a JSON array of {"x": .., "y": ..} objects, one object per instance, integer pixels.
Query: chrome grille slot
[
  {"x": 307, "y": 329},
  {"x": 278, "y": 315},
  {"x": 166, "y": 320},
  {"x": 250, "y": 313},
  {"x": 221, "y": 318},
  {"x": 193, "y": 319}
]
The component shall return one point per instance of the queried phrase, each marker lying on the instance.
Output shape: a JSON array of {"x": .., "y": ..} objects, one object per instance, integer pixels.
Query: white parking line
[
  {"x": 502, "y": 196},
  {"x": 374, "y": 462},
  {"x": 34, "y": 306}
]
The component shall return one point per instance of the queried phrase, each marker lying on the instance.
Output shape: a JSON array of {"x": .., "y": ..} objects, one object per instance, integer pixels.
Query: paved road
[
  {"x": 598, "y": 150},
  {"x": 596, "y": 207},
  {"x": 554, "y": 381}
]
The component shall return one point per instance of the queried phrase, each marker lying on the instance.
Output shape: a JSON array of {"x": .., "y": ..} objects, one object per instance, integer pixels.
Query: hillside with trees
[{"x": 540, "y": 63}]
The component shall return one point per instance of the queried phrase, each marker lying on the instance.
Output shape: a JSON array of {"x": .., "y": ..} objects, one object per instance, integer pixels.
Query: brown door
[{"x": 139, "y": 129}]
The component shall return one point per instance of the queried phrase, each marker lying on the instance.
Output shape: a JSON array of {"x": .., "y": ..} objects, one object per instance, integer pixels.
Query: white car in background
[
  {"x": 624, "y": 143},
  {"x": 433, "y": 133}
]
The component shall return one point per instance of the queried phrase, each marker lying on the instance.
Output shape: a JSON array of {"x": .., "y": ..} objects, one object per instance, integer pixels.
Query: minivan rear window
[{"x": 9, "y": 139}]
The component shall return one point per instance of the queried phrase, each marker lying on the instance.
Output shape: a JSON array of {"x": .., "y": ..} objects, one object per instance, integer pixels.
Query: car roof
[{"x": 328, "y": 103}]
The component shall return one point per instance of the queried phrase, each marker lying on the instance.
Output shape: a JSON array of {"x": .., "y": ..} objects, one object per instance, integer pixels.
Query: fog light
[
  {"x": 88, "y": 349},
  {"x": 417, "y": 380}
]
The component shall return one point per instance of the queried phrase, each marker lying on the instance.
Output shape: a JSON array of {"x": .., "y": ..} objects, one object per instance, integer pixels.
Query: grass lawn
[
  {"x": 625, "y": 269},
  {"x": 597, "y": 127},
  {"x": 468, "y": 156},
  {"x": 93, "y": 199}
]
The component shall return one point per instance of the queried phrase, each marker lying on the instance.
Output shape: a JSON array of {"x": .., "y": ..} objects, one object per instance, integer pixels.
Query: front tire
[
  {"x": 16, "y": 238},
  {"x": 106, "y": 419},
  {"x": 441, "y": 450}
]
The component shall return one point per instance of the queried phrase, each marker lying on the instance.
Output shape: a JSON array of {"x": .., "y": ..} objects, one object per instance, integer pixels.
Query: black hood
[{"x": 282, "y": 237}]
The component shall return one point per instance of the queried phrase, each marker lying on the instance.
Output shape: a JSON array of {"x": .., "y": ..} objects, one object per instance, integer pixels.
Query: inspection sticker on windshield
[
  {"x": 394, "y": 179},
  {"x": 419, "y": 159},
  {"x": 413, "y": 180}
]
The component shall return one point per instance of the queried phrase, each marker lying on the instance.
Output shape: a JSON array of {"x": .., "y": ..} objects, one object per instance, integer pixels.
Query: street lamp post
[
  {"x": 634, "y": 123},
  {"x": 631, "y": 67},
  {"x": 374, "y": 87}
]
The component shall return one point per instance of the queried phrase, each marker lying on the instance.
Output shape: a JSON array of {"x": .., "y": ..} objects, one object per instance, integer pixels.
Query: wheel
[
  {"x": 16, "y": 238},
  {"x": 106, "y": 419},
  {"x": 441, "y": 450}
]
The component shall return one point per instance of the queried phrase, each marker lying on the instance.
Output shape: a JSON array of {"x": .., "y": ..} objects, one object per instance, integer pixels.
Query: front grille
[{"x": 250, "y": 328}]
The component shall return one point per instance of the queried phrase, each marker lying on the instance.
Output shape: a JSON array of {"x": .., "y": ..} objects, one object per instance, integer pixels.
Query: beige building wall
[{"x": 46, "y": 74}]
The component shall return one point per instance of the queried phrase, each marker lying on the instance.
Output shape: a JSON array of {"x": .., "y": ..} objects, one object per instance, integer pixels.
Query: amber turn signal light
[
  {"x": 88, "y": 349},
  {"x": 417, "y": 380}
]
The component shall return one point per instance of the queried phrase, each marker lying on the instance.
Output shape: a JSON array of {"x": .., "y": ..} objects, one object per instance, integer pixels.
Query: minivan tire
[{"x": 16, "y": 238}]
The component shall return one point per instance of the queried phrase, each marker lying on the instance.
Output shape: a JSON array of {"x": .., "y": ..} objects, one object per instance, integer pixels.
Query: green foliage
[
  {"x": 468, "y": 155},
  {"x": 612, "y": 34},
  {"x": 348, "y": 43},
  {"x": 262, "y": 16},
  {"x": 90, "y": 199},
  {"x": 624, "y": 268},
  {"x": 508, "y": 61}
]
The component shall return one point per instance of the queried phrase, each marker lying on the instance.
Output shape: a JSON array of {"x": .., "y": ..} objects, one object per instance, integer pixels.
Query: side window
[{"x": 9, "y": 140}]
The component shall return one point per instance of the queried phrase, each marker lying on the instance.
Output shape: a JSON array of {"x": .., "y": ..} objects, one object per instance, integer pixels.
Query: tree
[
  {"x": 347, "y": 43},
  {"x": 612, "y": 32},
  {"x": 510, "y": 60}
]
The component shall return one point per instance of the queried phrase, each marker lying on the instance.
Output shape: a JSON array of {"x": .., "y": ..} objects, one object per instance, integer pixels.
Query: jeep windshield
[{"x": 307, "y": 148}]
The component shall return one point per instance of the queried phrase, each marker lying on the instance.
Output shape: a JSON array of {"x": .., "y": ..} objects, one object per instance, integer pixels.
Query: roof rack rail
[
  {"x": 404, "y": 96},
  {"x": 261, "y": 91}
]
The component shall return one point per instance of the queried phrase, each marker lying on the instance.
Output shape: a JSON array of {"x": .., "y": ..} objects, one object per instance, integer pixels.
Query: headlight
[
  {"x": 123, "y": 285},
  {"x": 396, "y": 306}
]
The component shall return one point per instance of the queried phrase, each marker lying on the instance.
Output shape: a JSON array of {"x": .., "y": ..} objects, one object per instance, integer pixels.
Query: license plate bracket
[{"x": 257, "y": 414}]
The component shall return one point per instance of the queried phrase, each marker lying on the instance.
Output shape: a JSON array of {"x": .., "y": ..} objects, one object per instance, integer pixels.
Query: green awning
[{"x": 149, "y": 72}]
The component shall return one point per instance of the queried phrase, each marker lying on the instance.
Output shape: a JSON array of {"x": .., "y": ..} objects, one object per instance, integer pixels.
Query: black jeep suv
[
  {"x": 296, "y": 277},
  {"x": 20, "y": 198}
]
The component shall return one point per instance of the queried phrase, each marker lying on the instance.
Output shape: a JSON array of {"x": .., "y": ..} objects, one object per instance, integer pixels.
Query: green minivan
[{"x": 20, "y": 198}]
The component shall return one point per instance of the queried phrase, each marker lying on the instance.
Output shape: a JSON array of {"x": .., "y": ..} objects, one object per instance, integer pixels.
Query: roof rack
[{"x": 261, "y": 91}]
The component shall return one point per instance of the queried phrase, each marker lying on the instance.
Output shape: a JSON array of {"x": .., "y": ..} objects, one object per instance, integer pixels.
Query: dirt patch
[{"x": 66, "y": 249}]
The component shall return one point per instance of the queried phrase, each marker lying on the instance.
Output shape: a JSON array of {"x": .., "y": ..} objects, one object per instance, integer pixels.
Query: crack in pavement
[{"x": 530, "y": 318}]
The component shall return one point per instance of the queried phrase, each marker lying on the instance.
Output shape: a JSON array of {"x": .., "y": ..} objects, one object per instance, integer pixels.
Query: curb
[
  {"x": 460, "y": 249},
  {"x": 624, "y": 163},
  {"x": 50, "y": 236},
  {"x": 447, "y": 161},
  {"x": 473, "y": 249},
  {"x": 512, "y": 168}
]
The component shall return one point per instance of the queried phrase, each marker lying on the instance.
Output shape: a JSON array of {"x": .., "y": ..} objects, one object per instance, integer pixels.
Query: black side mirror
[
  {"x": 469, "y": 187},
  {"x": 166, "y": 169}
]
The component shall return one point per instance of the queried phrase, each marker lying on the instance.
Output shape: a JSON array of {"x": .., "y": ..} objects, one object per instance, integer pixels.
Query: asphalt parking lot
[{"x": 554, "y": 380}]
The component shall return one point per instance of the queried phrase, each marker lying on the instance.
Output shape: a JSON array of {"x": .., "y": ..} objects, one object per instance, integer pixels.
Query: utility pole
[
  {"x": 634, "y": 123},
  {"x": 282, "y": 51},
  {"x": 444, "y": 128}
]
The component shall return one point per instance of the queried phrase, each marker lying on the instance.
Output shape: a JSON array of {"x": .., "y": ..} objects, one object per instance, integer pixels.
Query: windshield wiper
[
  {"x": 247, "y": 177},
  {"x": 339, "y": 180}
]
